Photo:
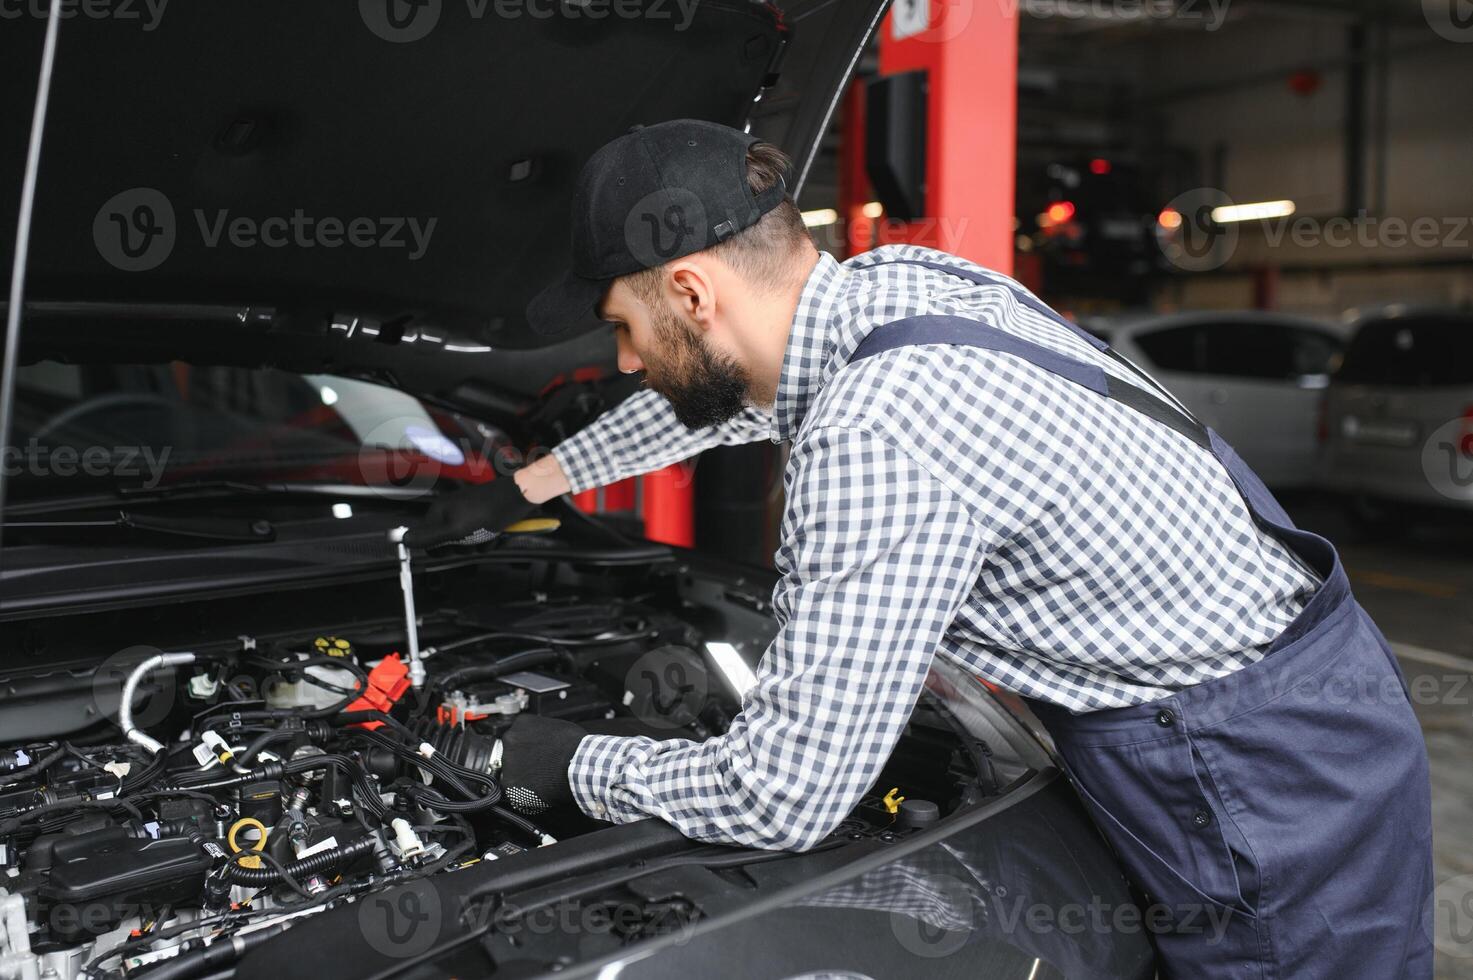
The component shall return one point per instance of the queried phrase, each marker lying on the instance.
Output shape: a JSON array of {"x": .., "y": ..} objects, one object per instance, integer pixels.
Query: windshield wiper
[
  {"x": 208, "y": 528},
  {"x": 204, "y": 489}
]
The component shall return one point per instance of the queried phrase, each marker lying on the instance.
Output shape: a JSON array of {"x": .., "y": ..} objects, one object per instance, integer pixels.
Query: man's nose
[{"x": 629, "y": 361}]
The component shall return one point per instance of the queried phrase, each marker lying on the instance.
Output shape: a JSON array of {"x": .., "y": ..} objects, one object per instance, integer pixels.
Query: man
[{"x": 973, "y": 478}]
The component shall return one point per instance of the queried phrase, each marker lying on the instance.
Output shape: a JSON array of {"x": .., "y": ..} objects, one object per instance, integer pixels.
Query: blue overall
[{"x": 1276, "y": 821}]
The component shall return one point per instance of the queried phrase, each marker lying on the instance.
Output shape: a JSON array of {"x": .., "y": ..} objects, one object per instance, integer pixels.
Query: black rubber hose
[
  {"x": 261, "y": 741},
  {"x": 503, "y": 665},
  {"x": 36, "y": 768},
  {"x": 310, "y": 864},
  {"x": 267, "y": 770},
  {"x": 211, "y": 958}
]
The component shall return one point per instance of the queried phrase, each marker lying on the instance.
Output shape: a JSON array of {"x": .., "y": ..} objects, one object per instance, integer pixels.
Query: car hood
[{"x": 373, "y": 188}]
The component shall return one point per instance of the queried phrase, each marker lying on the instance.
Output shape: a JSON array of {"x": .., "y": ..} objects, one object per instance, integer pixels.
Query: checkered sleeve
[
  {"x": 878, "y": 558},
  {"x": 641, "y": 435}
]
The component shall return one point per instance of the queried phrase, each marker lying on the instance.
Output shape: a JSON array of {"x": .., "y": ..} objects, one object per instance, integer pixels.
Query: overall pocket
[{"x": 1157, "y": 804}]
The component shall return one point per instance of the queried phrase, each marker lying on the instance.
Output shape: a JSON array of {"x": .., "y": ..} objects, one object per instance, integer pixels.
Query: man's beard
[{"x": 704, "y": 388}]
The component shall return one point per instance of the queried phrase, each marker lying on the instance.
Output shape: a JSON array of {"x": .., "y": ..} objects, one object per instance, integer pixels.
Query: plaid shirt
[{"x": 949, "y": 500}]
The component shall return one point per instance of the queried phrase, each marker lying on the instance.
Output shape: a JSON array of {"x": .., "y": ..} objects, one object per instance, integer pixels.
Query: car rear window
[{"x": 1411, "y": 351}]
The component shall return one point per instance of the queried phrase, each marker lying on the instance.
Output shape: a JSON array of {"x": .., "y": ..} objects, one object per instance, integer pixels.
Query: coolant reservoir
[{"x": 305, "y": 694}]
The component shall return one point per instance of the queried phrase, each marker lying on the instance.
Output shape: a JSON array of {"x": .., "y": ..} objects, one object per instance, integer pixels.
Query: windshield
[
  {"x": 82, "y": 429},
  {"x": 1434, "y": 350}
]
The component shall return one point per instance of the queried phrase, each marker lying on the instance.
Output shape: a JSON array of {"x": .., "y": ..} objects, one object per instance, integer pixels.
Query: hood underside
[{"x": 234, "y": 178}]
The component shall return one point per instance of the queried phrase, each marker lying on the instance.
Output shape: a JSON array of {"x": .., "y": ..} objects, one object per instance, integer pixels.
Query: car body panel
[{"x": 1399, "y": 419}]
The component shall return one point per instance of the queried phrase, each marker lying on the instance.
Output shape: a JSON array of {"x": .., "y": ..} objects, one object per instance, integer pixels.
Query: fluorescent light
[
  {"x": 342, "y": 511},
  {"x": 329, "y": 396},
  {"x": 739, "y": 676},
  {"x": 819, "y": 218},
  {"x": 1230, "y": 213},
  {"x": 873, "y": 209}
]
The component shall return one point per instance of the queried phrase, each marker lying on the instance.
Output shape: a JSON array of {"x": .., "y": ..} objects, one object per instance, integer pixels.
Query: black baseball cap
[{"x": 652, "y": 195}]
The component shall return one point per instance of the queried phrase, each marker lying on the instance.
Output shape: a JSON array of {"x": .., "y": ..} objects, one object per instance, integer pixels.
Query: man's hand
[
  {"x": 543, "y": 480},
  {"x": 471, "y": 515},
  {"x": 535, "y": 755}
]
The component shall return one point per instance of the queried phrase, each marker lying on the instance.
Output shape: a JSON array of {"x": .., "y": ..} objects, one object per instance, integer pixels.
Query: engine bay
[{"x": 182, "y": 802}]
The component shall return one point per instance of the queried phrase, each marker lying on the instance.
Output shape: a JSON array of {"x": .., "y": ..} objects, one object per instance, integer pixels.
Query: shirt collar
[{"x": 810, "y": 347}]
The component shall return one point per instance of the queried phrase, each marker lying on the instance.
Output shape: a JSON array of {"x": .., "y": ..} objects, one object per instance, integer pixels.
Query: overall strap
[
  {"x": 1021, "y": 295},
  {"x": 958, "y": 330}
]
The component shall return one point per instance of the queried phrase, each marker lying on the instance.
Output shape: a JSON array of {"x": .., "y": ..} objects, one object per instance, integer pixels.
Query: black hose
[
  {"x": 261, "y": 741},
  {"x": 36, "y": 768},
  {"x": 221, "y": 953},
  {"x": 310, "y": 864},
  {"x": 505, "y": 665}
]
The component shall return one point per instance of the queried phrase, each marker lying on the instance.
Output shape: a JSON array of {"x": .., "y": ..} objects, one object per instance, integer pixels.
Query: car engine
[
  {"x": 278, "y": 774},
  {"x": 262, "y": 759}
]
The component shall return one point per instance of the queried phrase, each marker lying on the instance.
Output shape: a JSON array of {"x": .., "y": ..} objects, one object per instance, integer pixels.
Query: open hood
[{"x": 372, "y": 187}]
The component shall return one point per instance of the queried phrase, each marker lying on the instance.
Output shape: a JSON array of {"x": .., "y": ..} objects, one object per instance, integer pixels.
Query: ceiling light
[
  {"x": 1263, "y": 211},
  {"x": 820, "y": 218}
]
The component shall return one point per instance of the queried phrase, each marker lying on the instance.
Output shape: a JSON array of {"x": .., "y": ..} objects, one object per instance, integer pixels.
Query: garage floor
[{"x": 1420, "y": 592}]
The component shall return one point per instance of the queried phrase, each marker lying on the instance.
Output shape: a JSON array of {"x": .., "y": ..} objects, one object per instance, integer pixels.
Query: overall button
[
  {"x": 1165, "y": 717},
  {"x": 1201, "y": 818}
]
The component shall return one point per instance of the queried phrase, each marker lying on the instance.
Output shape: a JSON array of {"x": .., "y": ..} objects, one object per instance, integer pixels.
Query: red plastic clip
[{"x": 386, "y": 685}]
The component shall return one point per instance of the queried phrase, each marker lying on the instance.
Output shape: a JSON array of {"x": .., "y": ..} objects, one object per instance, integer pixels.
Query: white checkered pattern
[{"x": 940, "y": 499}]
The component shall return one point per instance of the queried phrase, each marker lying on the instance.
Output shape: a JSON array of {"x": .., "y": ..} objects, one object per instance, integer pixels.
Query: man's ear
[{"x": 694, "y": 292}]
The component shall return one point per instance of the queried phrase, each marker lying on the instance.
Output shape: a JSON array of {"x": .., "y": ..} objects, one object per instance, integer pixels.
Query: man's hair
[{"x": 761, "y": 253}]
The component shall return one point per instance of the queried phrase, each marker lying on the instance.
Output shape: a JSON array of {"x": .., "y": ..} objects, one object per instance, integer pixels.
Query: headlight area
[{"x": 278, "y": 766}]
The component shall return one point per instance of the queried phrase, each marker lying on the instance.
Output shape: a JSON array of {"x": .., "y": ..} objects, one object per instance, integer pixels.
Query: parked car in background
[
  {"x": 1399, "y": 415},
  {"x": 1257, "y": 378}
]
